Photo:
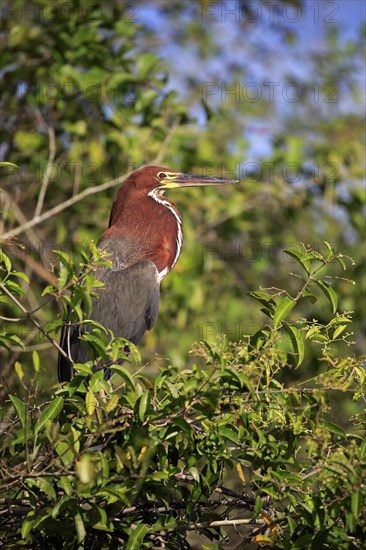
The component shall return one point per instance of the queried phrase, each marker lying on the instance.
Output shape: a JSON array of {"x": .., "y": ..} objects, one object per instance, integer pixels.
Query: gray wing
[{"x": 128, "y": 304}]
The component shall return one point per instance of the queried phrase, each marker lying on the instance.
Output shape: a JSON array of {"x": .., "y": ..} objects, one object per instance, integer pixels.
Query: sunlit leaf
[
  {"x": 136, "y": 539},
  {"x": 297, "y": 342},
  {"x": 300, "y": 258},
  {"x": 80, "y": 527},
  {"x": 335, "y": 429},
  {"x": 50, "y": 413},
  {"x": 125, "y": 374},
  {"x": 282, "y": 310},
  {"x": 19, "y": 370},
  {"x": 239, "y": 469},
  {"x": 27, "y": 524},
  {"x": 20, "y": 407},
  {"x": 4, "y": 163},
  {"x": 90, "y": 402},
  {"x": 328, "y": 293},
  {"x": 144, "y": 405},
  {"x": 36, "y": 362}
]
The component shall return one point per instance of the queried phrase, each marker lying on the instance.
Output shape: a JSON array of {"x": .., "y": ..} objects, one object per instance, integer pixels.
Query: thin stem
[
  {"x": 33, "y": 320},
  {"x": 51, "y": 158}
]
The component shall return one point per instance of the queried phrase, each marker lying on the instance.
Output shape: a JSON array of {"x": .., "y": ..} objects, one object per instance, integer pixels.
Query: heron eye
[{"x": 161, "y": 175}]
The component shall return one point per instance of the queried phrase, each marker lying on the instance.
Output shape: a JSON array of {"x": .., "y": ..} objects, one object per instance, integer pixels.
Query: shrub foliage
[{"x": 224, "y": 450}]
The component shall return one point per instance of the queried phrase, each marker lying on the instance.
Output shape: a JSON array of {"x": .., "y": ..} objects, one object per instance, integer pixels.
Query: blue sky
[{"x": 261, "y": 51}]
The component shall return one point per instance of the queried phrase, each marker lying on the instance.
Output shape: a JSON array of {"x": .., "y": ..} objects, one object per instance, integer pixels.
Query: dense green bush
[{"x": 222, "y": 444}]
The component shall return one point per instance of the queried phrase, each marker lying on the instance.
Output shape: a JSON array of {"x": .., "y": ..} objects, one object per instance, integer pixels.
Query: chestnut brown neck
[{"x": 152, "y": 223}]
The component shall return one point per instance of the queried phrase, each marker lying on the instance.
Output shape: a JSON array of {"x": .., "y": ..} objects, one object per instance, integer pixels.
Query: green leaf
[
  {"x": 303, "y": 542},
  {"x": 21, "y": 275},
  {"x": 50, "y": 289},
  {"x": 50, "y": 413},
  {"x": 19, "y": 370},
  {"x": 57, "y": 507},
  {"x": 65, "y": 483},
  {"x": 265, "y": 299},
  {"x": 258, "y": 505},
  {"x": 112, "y": 403},
  {"x": 27, "y": 524},
  {"x": 183, "y": 425},
  {"x": 262, "y": 297},
  {"x": 65, "y": 453},
  {"x": 328, "y": 293},
  {"x": 103, "y": 523},
  {"x": 115, "y": 494},
  {"x": 15, "y": 288},
  {"x": 53, "y": 325},
  {"x": 10, "y": 164},
  {"x": 363, "y": 450},
  {"x": 340, "y": 320},
  {"x": 105, "y": 465},
  {"x": 35, "y": 358},
  {"x": 300, "y": 258},
  {"x": 194, "y": 473},
  {"x": 306, "y": 293},
  {"x": 82, "y": 368},
  {"x": 229, "y": 433},
  {"x": 313, "y": 255},
  {"x": 232, "y": 375},
  {"x": 90, "y": 402},
  {"x": 259, "y": 338},
  {"x": 335, "y": 429},
  {"x": 312, "y": 332},
  {"x": 356, "y": 504},
  {"x": 297, "y": 342},
  {"x": 66, "y": 270},
  {"x": 20, "y": 408},
  {"x": 5, "y": 260},
  {"x": 97, "y": 344},
  {"x": 46, "y": 486},
  {"x": 338, "y": 331},
  {"x": 339, "y": 259},
  {"x": 136, "y": 539},
  {"x": 80, "y": 527},
  {"x": 125, "y": 374},
  {"x": 282, "y": 310},
  {"x": 145, "y": 63},
  {"x": 144, "y": 405}
]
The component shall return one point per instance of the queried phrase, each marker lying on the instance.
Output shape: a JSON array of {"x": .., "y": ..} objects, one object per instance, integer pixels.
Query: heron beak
[{"x": 193, "y": 180}]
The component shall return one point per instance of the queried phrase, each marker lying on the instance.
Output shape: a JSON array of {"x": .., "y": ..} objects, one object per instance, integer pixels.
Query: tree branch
[
  {"x": 60, "y": 207},
  {"x": 33, "y": 238}
]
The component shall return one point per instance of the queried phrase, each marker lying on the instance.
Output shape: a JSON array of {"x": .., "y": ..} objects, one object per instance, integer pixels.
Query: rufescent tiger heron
[{"x": 144, "y": 240}]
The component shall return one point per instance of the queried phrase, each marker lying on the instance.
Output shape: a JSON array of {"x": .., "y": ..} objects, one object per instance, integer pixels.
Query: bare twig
[
  {"x": 11, "y": 319},
  {"x": 33, "y": 238},
  {"x": 60, "y": 207},
  {"x": 51, "y": 158},
  {"x": 210, "y": 524},
  {"x": 33, "y": 320}
]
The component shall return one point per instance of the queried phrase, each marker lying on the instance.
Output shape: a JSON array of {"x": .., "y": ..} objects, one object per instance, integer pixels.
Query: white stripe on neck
[{"x": 156, "y": 194}]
